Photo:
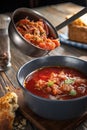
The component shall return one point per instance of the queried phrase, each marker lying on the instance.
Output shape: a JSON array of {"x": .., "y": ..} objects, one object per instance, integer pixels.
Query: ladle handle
[{"x": 74, "y": 17}]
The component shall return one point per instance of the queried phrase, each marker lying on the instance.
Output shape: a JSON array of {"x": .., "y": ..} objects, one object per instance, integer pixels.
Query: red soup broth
[{"x": 59, "y": 83}]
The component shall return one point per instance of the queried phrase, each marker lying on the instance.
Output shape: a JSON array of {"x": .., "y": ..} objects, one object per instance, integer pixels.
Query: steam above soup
[{"x": 59, "y": 83}]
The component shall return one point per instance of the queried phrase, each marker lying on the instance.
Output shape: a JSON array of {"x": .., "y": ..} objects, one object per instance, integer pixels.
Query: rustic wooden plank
[
  {"x": 42, "y": 123},
  {"x": 55, "y": 14},
  {"x": 67, "y": 8},
  {"x": 2, "y": 84},
  {"x": 70, "y": 51}
]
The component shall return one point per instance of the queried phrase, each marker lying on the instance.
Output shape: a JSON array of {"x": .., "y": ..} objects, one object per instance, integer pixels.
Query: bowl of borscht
[{"x": 55, "y": 87}]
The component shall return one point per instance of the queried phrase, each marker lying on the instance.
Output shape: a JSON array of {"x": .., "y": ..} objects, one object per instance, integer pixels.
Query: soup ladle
[{"x": 27, "y": 47}]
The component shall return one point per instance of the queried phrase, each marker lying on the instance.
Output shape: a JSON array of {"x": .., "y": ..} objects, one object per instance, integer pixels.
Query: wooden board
[{"x": 42, "y": 123}]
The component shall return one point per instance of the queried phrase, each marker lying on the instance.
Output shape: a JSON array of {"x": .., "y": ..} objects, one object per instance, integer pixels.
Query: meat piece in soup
[{"x": 59, "y": 83}]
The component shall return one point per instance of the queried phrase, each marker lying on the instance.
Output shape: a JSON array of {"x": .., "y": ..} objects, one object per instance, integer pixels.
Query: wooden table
[{"x": 55, "y": 14}]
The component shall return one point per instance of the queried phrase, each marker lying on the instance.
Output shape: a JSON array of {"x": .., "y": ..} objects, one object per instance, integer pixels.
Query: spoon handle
[{"x": 66, "y": 22}]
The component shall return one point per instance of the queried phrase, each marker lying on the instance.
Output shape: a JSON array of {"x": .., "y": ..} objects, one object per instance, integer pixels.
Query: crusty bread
[
  {"x": 8, "y": 106},
  {"x": 77, "y": 30}
]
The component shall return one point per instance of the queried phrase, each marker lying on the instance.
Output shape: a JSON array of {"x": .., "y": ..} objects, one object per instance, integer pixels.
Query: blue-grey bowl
[{"x": 53, "y": 109}]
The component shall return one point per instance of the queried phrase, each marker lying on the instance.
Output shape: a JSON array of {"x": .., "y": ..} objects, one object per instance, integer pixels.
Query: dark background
[{"x": 11, "y": 5}]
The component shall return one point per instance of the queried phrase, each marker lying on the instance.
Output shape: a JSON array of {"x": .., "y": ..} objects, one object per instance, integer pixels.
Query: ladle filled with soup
[{"x": 59, "y": 83}]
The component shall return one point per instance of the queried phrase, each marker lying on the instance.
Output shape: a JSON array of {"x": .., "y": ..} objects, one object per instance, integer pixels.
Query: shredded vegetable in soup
[
  {"x": 59, "y": 83},
  {"x": 37, "y": 33}
]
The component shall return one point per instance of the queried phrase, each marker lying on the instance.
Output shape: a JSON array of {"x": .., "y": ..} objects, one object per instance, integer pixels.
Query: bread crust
[
  {"x": 77, "y": 30},
  {"x": 77, "y": 33},
  {"x": 8, "y": 106}
]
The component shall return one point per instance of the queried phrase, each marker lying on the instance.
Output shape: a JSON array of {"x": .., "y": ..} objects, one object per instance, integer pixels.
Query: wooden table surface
[{"x": 55, "y": 14}]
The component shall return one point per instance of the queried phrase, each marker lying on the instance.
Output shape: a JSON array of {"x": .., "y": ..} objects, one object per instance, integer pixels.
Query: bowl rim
[
  {"x": 47, "y": 99},
  {"x": 38, "y": 14}
]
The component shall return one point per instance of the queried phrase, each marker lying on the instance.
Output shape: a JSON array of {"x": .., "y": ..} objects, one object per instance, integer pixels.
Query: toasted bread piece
[
  {"x": 77, "y": 30},
  {"x": 8, "y": 106}
]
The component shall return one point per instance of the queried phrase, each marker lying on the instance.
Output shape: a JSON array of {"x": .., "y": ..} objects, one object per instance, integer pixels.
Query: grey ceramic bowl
[
  {"x": 53, "y": 109},
  {"x": 23, "y": 45}
]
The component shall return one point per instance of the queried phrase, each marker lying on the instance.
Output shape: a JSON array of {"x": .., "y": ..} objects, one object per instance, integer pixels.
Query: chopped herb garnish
[
  {"x": 73, "y": 92},
  {"x": 69, "y": 81},
  {"x": 50, "y": 83}
]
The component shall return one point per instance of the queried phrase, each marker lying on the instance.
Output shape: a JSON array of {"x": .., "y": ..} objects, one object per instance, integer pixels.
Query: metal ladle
[{"x": 29, "y": 48}]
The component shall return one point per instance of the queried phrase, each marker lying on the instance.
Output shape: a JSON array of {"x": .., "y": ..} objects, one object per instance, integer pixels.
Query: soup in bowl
[
  {"x": 57, "y": 83},
  {"x": 55, "y": 87}
]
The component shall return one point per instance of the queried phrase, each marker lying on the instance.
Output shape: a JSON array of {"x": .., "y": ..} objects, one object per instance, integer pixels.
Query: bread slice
[
  {"x": 77, "y": 30},
  {"x": 8, "y": 106}
]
